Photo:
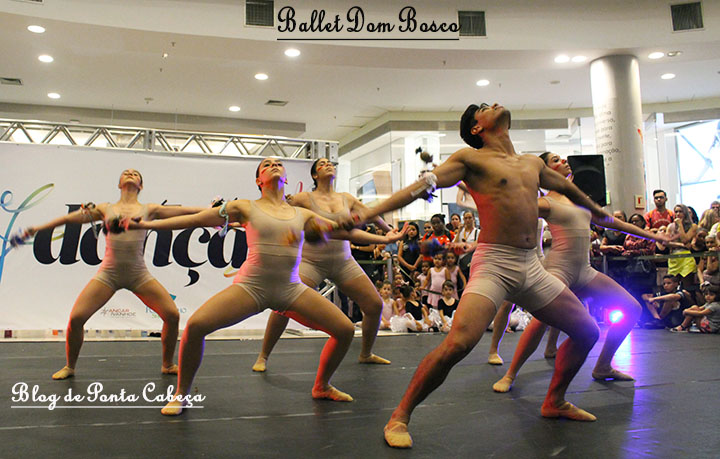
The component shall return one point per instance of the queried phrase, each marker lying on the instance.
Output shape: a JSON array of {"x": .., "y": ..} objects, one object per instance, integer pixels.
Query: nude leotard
[
  {"x": 569, "y": 257},
  {"x": 333, "y": 260},
  {"x": 270, "y": 272},
  {"x": 123, "y": 265}
]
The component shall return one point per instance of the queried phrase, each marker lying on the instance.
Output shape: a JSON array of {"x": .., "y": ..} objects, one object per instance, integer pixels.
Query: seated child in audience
[
  {"x": 447, "y": 306},
  {"x": 707, "y": 317},
  {"x": 416, "y": 316},
  {"x": 666, "y": 307}
]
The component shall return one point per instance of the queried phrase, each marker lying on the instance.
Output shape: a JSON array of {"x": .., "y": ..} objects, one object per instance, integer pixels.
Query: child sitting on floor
[
  {"x": 447, "y": 306},
  {"x": 706, "y": 317}
]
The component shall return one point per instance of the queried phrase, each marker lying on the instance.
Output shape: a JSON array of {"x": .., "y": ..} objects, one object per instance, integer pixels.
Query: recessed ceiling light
[
  {"x": 45, "y": 58},
  {"x": 667, "y": 76},
  {"x": 292, "y": 52},
  {"x": 53, "y": 95},
  {"x": 579, "y": 58},
  {"x": 234, "y": 108},
  {"x": 36, "y": 29},
  {"x": 261, "y": 76},
  {"x": 482, "y": 82},
  {"x": 165, "y": 55},
  {"x": 561, "y": 59},
  {"x": 674, "y": 53},
  {"x": 656, "y": 55}
]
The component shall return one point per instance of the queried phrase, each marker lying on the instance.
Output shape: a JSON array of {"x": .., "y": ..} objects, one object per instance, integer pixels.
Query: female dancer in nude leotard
[
  {"x": 122, "y": 267},
  {"x": 569, "y": 261}
]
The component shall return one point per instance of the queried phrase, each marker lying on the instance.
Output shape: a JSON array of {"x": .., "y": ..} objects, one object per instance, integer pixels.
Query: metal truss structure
[{"x": 163, "y": 140}]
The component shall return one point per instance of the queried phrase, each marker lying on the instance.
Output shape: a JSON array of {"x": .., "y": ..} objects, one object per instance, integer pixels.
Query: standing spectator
[
  {"x": 457, "y": 277},
  {"x": 427, "y": 230},
  {"x": 659, "y": 216},
  {"x": 681, "y": 231},
  {"x": 612, "y": 241},
  {"x": 454, "y": 224},
  {"x": 437, "y": 275},
  {"x": 711, "y": 216},
  {"x": 468, "y": 233},
  {"x": 439, "y": 232},
  {"x": 388, "y": 309},
  {"x": 409, "y": 251}
]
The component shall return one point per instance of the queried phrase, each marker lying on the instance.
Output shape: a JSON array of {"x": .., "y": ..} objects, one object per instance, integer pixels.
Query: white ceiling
[{"x": 109, "y": 55}]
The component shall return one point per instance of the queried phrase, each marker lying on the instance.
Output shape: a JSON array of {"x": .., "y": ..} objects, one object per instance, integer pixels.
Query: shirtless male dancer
[{"x": 504, "y": 187}]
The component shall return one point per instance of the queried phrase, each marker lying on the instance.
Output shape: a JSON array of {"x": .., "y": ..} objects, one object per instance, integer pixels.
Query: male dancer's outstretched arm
[{"x": 446, "y": 175}]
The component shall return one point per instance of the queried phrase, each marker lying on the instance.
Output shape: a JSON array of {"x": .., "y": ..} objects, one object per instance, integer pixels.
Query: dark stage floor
[{"x": 672, "y": 410}]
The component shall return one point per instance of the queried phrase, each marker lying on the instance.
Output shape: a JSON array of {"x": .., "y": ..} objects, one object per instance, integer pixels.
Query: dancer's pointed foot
[
  {"x": 173, "y": 408},
  {"x": 64, "y": 373},
  {"x": 171, "y": 370},
  {"x": 495, "y": 359},
  {"x": 260, "y": 365},
  {"x": 397, "y": 435},
  {"x": 566, "y": 410},
  {"x": 504, "y": 385},
  {"x": 331, "y": 393},
  {"x": 612, "y": 374},
  {"x": 372, "y": 358}
]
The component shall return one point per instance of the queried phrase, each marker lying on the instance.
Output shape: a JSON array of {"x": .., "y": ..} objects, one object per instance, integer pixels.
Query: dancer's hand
[
  {"x": 136, "y": 223},
  {"x": 316, "y": 231},
  {"x": 355, "y": 218},
  {"x": 396, "y": 235}
]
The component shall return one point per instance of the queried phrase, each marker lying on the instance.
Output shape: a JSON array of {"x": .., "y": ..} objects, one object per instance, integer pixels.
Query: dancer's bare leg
[
  {"x": 472, "y": 317},
  {"x": 568, "y": 314},
  {"x": 155, "y": 297},
  {"x": 91, "y": 299},
  {"x": 500, "y": 323},
  {"x": 276, "y": 325},
  {"x": 612, "y": 294},
  {"x": 363, "y": 293},
  {"x": 314, "y": 310},
  {"x": 226, "y": 308},
  {"x": 528, "y": 343},
  {"x": 551, "y": 344}
]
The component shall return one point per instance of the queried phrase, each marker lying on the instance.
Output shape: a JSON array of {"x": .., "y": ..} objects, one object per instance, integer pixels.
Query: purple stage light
[{"x": 615, "y": 316}]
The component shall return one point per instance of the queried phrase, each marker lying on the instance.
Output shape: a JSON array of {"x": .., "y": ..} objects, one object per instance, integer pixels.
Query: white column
[{"x": 617, "y": 107}]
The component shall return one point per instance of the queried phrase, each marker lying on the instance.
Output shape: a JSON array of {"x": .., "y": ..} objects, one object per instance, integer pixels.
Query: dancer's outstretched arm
[
  {"x": 236, "y": 211},
  {"x": 160, "y": 212},
  {"x": 363, "y": 237},
  {"x": 629, "y": 228},
  {"x": 86, "y": 215},
  {"x": 445, "y": 175},
  {"x": 359, "y": 206}
]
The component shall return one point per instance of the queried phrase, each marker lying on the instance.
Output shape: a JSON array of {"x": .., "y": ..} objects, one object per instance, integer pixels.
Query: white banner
[{"x": 39, "y": 282}]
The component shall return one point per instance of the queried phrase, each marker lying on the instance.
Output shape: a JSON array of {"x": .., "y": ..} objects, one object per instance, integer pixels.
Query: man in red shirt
[{"x": 659, "y": 216}]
